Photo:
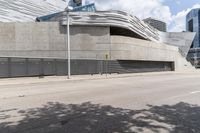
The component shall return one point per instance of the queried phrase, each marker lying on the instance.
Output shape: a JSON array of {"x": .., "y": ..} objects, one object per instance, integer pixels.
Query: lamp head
[
  {"x": 69, "y": 8},
  {"x": 78, "y": 2}
]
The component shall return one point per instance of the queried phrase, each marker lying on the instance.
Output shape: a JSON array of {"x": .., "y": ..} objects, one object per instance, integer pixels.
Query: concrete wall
[
  {"x": 48, "y": 40},
  {"x": 183, "y": 40},
  {"x": 135, "y": 49}
]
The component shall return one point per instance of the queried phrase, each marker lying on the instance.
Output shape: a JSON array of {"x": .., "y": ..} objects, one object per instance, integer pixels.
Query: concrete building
[
  {"x": 193, "y": 25},
  {"x": 28, "y": 10},
  {"x": 100, "y": 43},
  {"x": 157, "y": 24}
]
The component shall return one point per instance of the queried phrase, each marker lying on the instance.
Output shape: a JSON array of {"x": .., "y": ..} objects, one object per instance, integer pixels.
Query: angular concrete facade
[
  {"x": 28, "y": 10},
  {"x": 182, "y": 40},
  {"x": 48, "y": 40}
]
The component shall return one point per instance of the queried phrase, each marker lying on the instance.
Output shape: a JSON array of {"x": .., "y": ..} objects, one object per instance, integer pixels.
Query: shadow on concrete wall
[
  {"x": 93, "y": 118},
  {"x": 82, "y": 30}
]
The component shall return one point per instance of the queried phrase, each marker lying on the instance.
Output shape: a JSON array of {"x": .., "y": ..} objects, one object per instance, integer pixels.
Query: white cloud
[
  {"x": 179, "y": 20},
  {"x": 148, "y": 8},
  {"x": 140, "y": 8}
]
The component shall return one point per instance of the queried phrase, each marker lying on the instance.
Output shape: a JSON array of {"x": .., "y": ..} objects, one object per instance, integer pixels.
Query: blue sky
[
  {"x": 179, "y": 9},
  {"x": 172, "y": 12},
  {"x": 177, "y": 6}
]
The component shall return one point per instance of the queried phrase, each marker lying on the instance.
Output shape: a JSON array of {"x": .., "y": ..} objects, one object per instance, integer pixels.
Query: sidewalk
[{"x": 45, "y": 79}]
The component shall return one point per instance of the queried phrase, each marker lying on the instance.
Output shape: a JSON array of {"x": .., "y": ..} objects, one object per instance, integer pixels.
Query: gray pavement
[{"x": 153, "y": 102}]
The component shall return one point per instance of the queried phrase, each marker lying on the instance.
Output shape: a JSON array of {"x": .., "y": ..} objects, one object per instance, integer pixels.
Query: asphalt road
[{"x": 168, "y": 102}]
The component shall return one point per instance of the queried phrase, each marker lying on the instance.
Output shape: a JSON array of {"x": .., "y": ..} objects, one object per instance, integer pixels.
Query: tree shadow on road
[{"x": 94, "y": 118}]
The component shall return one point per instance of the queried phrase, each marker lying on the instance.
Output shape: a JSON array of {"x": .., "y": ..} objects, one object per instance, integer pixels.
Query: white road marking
[
  {"x": 194, "y": 92},
  {"x": 184, "y": 95}
]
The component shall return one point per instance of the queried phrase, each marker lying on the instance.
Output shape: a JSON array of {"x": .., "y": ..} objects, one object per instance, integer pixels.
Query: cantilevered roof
[{"x": 111, "y": 18}]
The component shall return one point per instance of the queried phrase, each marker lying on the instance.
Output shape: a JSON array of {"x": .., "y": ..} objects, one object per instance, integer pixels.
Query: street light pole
[
  {"x": 66, "y": 22},
  {"x": 68, "y": 45},
  {"x": 196, "y": 58}
]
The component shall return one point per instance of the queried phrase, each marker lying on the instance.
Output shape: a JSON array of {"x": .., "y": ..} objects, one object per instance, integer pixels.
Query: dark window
[
  {"x": 190, "y": 28},
  {"x": 192, "y": 46},
  {"x": 190, "y": 25},
  {"x": 124, "y": 32},
  {"x": 199, "y": 25}
]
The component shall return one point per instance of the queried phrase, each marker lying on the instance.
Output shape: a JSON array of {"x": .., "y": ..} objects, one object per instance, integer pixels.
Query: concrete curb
[{"x": 34, "y": 80}]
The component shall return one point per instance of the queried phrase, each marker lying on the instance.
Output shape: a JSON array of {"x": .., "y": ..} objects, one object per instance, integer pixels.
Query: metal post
[
  {"x": 196, "y": 59},
  {"x": 68, "y": 46},
  {"x": 106, "y": 65}
]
